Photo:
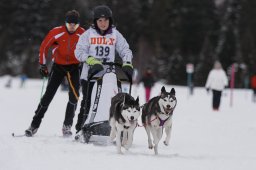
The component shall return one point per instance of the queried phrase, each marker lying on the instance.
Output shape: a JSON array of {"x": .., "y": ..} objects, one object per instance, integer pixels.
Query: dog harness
[{"x": 162, "y": 122}]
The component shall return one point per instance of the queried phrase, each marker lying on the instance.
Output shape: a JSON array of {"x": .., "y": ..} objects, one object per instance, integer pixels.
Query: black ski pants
[
  {"x": 56, "y": 76},
  {"x": 85, "y": 104},
  {"x": 216, "y": 99}
]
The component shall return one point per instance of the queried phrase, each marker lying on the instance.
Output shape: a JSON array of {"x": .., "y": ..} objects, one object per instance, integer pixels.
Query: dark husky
[
  {"x": 157, "y": 115},
  {"x": 124, "y": 112}
]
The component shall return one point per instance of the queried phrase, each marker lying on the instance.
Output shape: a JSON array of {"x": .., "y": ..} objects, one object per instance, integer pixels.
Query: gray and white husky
[
  {"x": 124, "y": 112},
  {"x": 157, "y": 116}
]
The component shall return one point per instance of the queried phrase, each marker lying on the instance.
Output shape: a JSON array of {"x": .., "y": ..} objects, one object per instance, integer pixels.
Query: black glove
[
  {"x": 43, "y": 70},
  {"x": 96, "y": 68},
  {"x": 128, "y": 70}
]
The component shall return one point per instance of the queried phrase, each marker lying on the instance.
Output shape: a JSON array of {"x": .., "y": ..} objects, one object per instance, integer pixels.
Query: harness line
[{"x": 145, "y": 124}]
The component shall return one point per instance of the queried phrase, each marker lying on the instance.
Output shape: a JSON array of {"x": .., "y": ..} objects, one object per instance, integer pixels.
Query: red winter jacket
[
  {"x": 63, "y": 45},
  {"x": 253, "y": 82}
]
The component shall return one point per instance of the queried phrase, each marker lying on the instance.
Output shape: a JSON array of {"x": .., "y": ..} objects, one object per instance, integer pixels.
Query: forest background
[{"x": 165, "y": 35}]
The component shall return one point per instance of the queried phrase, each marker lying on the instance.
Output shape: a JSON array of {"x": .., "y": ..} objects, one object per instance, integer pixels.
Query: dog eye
[{"x": 165, "y": 100}]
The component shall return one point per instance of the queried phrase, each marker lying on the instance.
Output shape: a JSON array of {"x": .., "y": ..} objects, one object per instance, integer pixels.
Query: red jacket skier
[
  {"x": 63, "y": 44},
  {"x": 63, "y": 41}
]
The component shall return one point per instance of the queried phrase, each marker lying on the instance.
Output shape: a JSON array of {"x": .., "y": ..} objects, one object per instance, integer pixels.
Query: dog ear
[
  {"x": 173, "y": 92},
  {"x": 137, "y": 100},
  {"x": 163, "y": 89}
]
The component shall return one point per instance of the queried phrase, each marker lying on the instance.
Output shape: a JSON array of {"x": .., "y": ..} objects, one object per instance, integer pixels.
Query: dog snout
[
  {"x": 132, "y": 117},
  {"x": 168, "y": 106}
]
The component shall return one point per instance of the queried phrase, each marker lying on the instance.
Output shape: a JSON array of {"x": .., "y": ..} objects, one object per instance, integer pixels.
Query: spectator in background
[
  {"x": 9, "y": 82},
  {"x": 23, "y": 79},
  {"x": 148, "y": 82},
  {"x": 253, "y": 86},
  {"x": 216, "y": 81}
]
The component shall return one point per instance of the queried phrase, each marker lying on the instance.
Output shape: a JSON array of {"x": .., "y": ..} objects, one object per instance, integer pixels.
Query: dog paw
[
  {"x": 112, "y": 136},
  {"x": 166, "y": 143},
  {"x": 150, "y": 147},
  {"x": 127, "y": 147}
]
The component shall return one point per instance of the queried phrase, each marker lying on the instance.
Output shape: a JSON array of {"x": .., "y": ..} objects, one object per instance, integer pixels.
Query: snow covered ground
[{"x": 201, "y": 138}]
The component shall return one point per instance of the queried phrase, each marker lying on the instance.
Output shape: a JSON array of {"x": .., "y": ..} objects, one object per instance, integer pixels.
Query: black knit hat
[
  {"x": 105, "y": 12},
  {"x": 72, "y": 17},
  {"x": 102, "y": 11}
]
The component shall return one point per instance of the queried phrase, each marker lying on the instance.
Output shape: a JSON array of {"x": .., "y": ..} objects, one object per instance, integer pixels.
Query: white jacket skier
[
  {"x": 103, "y": 48},
  {"x": 96, "y": 46}
]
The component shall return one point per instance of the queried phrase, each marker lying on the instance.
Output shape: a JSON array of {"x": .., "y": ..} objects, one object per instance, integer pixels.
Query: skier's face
[
  {"x": 72, "y": 27},
  {"x": 103, "y": 24}
]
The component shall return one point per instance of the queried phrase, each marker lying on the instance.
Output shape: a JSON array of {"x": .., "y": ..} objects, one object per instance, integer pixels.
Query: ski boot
[
  {"x": 66, "y": 130},
  {"x": 30, "y": 131}
]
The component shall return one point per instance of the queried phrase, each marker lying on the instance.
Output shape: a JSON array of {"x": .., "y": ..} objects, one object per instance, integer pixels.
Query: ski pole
[
  {"x": 86, "y": 103},
  {"x": 44, "y": 78}
]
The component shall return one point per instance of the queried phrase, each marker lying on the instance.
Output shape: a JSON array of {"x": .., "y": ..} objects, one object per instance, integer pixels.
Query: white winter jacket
[
  {"x": 217, "y": 80},
  {"x": 91, "y": 43}
]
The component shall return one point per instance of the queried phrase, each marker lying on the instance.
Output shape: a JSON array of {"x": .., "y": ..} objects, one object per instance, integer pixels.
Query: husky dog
[
  {"x": 124, "y": 112},
  {"x": 157, "y": 115}
]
